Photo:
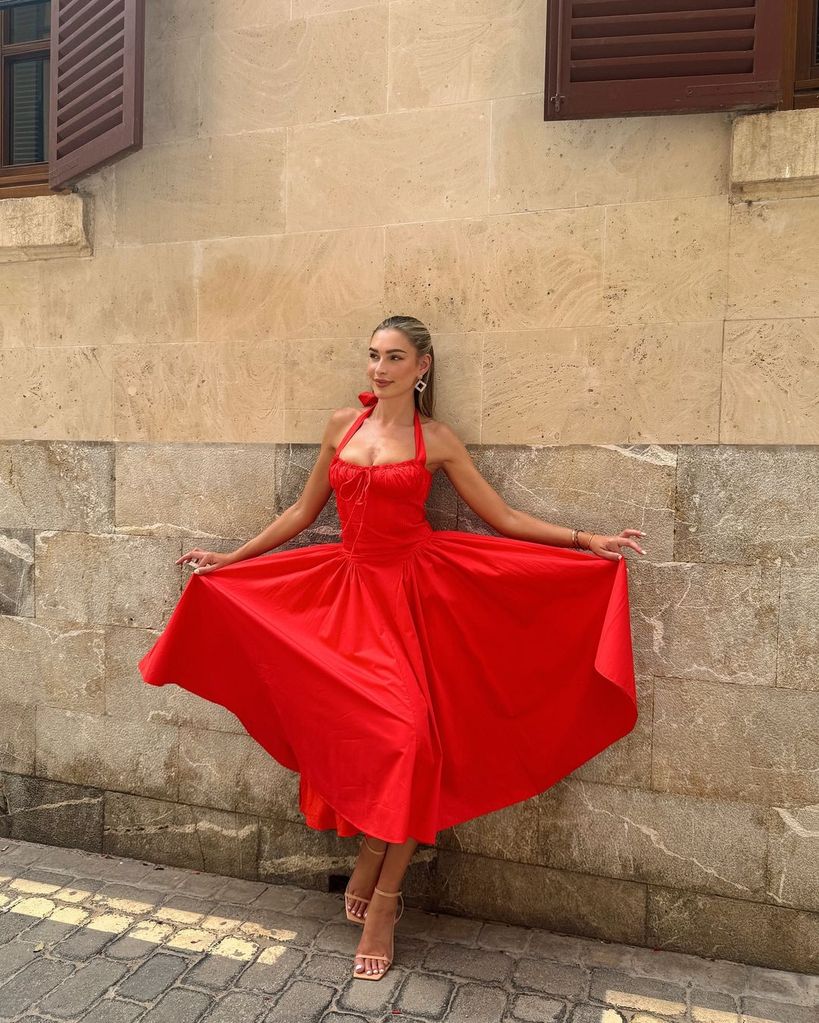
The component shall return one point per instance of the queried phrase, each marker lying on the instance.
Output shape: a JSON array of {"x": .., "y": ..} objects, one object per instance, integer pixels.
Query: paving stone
[
  {"x": 213, "y": 971},
  {"x": 424, "y": 995},
  {"x": 281, "y": 897},
  {"x": 149, "y": 980},
  {"x": 178, "y": 1006},
  {"x": 29, "y": 985},
  {"x": 322, "y": 906},
  {"x": 295, "y": 929},
  {"x": 475, "y": 1003},
  {"x": 757, "y": 1010},
  {"x": 327, "y": 969},
  {"x": 712, "y": 1007},
  {"x": 273, "y": 974},
  {"x": 237, "y": 1008},
  {"x": 19, "y": 853},
  {"x": 778, "y": 985},
  {"x": 13, "y": 924},
  {"x": 505, "y": 937},
  {"x": 535, "y": 1009},
  {"x": 36, "y": 875},
  {"x": 645, "y": 993},
  {"x": 77, "y": 994},
  {"x": 83, "y": 944},
  {"x": 242, "y": 892},
  {"x": 112, "y": 1010},
  {"x": 13, "y": 958},
  {"x": 475, "y": 963},
  {"x": 594, "y": 1014},
  {"x": 570, "y": 982},
  {"x": 302, "y": 1002},
  {"x": 372, "y": 996},
  {"x": 131, "y": 947},
  {"x": 47, "y": 932},
  {"x": 435, "y": 927},
  {"x": 204, "y": 886}
]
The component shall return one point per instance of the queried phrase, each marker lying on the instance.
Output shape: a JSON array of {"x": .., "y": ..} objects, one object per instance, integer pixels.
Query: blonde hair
[{"x": 418, "y": 335}]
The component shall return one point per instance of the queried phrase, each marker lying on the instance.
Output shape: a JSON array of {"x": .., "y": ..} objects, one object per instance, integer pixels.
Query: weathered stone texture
[
  {"x": 181, "y": 836},
  {"x": 38, "y": 810},
  {"x": 743, "y": 505},
  {"x": 722, "y": 741},
  {"x": 106, "y": 579},
  {"x": 17, "y": 572}
]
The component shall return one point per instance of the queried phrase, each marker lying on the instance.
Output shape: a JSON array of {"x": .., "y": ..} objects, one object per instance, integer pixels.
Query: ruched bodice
[{"x": 381, "y": 508}]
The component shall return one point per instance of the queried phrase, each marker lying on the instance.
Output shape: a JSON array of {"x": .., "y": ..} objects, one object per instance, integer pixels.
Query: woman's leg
[
  {"x": 365, "y": 874},
  {"x": 379, "y": 920}
]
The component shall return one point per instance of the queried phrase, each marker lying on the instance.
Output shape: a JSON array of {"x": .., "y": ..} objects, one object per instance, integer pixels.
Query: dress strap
[
  {"x": 359, "y": 419},
  {"x": 370, "y": 400}
]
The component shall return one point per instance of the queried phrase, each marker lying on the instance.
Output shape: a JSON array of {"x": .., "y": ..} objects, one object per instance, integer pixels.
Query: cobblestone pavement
[{"x": 99, "y": 939}]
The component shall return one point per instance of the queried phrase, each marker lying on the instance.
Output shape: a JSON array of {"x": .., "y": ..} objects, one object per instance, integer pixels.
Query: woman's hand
[
  {"x": 603, "y": 546},
  {"x": 205, "y": 561}
]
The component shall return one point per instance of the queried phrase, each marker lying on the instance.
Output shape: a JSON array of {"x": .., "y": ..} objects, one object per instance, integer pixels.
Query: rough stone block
[
  {"x": 181, "y": 836},
  {"x": 125, "y": 756},
  {"x": 106, "y": 579},
  {"x": 535, "y": 896},
  {"x": 17, "y": 572},
  {"x": 748, "y": 932},
  {"x": 751, "y": 743},
  {"x": 55, "y": 484},
  {"x": 38, "y": 810},
  {"x": 52, "y": 663},
  {"x": 712, "y": 622},
  {"x": 731, "y": 502}
]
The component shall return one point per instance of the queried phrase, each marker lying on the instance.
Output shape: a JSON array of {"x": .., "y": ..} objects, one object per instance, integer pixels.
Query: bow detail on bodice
[{"x": 367, "y": 398}]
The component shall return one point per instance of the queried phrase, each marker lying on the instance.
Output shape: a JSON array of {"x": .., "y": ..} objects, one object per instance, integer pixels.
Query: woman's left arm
[{"x": 485, "y": 501}]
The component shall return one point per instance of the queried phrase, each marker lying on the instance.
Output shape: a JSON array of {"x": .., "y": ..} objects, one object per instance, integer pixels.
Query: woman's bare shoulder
[{"x": 338, "y": 422}]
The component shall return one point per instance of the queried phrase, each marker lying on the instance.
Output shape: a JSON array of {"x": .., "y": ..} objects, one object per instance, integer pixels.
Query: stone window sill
[
  {"x": 775, "y": 155},
  {"x": 43, "y": 227}
]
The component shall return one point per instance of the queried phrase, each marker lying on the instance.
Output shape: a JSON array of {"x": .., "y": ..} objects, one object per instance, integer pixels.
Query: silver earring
[{"x": 421, "y": 385}]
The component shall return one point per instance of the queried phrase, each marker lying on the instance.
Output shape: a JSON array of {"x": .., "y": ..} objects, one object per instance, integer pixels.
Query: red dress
[{"x": 415, "y": 678}]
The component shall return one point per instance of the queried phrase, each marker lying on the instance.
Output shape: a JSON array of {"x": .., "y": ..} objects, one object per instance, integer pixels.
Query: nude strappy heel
[
  {"x": 387, "y": 960},
  {"x": 351, "y": 916}
]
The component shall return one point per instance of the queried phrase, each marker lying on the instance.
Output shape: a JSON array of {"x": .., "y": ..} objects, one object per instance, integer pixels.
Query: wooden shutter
[
  {"x": 806, "y": 85},
  {"x": 610, "y": 57},
  {"x": 97, "y": 61}
]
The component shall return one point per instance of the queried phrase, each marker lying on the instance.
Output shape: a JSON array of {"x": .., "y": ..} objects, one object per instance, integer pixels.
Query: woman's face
[{"x": 393, "y": 364}]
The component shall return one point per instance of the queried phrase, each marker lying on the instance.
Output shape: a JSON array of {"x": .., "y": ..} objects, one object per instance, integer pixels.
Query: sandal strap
[{"x": 400, "y": 896}]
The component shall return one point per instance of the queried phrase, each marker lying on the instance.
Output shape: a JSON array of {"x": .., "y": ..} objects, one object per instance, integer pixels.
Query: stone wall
[
  {"x": 694, "y": 832},
  {"x": 620, "y": 338}
]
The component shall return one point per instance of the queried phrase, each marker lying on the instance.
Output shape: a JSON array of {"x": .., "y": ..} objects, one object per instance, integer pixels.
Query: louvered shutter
[
  {"x": 610, "y": 57},
  {"x": 97, "y": 62}
]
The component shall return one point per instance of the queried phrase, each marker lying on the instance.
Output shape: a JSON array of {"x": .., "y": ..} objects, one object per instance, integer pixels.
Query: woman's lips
[{"x": 383, "y": 383}]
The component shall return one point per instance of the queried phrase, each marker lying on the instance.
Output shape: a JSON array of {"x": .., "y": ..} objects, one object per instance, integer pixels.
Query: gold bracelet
[{"x": 575, "y": 543}]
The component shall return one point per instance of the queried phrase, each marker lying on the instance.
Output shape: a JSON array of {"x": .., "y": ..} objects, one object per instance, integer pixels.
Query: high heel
[
  {"x": 351, "y": 916},
  {"x": 387, "y": 960}
]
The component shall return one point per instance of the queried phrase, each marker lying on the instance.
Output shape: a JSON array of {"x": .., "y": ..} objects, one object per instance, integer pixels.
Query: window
[
  {"x": 24, "y": 97},
  {"x": 611, "y": 57},
  {"x": 71, "y": 76}
]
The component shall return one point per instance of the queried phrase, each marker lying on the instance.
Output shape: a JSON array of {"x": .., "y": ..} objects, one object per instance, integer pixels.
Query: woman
[{"x": 414, "y": 678}]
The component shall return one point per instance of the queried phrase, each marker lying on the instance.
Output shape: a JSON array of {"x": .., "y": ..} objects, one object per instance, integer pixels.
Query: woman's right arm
[{"x": 299, "y": 515}]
